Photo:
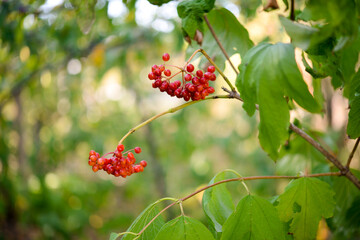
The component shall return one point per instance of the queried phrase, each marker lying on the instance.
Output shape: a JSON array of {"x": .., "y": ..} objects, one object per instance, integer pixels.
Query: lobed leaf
[
  {"x": 305, "y": 201},
  {"x": 184, "y": 228},
  {"x": 268, "y": 73},
  {"x": 254, "y": 218}
]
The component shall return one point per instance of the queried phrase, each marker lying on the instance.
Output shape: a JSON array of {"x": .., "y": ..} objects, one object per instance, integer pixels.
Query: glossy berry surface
[
  {"x": 120, "y": 164},
  {"x": 192, "y": 85}
]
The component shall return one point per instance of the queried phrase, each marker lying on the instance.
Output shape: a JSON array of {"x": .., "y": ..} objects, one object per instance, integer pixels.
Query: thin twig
[
  {"x": 219, "y": 43},
  {"x": 352, "y": 153},
  {"x": 292, "y": 10},
  {"x": 235, "y": 180},
  {"x": 171, "y": 110},
  {"x": 344, "y": 170}
]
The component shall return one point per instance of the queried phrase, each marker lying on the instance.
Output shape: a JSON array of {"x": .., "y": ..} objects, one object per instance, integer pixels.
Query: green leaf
[
  {"x": 353, "y": 127},
  {"x": 254, "y": 218},
  {"x": 302, "y": 36},
  {"x": 312, "y": 199},
  {"x": 267, "y": 74},
  {"x": 191, "y": 12},
  {"x": 232, "y": 35},
  {"x": 85, "y": 14},
  {"x": 184, "y": 228},
  {"x": 346, "y": 194},
  {"x": 113, "y": 236},
  {"x": 217, "y": 202},
  {"x": 144, "y": 218},
  {"x": 159, "y": 2}
]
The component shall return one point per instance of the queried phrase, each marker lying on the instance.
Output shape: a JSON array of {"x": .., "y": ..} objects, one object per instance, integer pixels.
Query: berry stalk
[
  {"x": 218, "y": 69},
  {"x": 171, "y": 110}
]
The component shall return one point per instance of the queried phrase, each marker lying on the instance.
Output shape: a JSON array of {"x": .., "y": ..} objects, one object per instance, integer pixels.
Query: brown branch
[
  {"x": 292, "y": 10},
  {"x": 219, "y": 43},
  {"x": 352, "y": 153},
  {"x": 235, "y": 180},
  {"x": 344, "y": 170}
]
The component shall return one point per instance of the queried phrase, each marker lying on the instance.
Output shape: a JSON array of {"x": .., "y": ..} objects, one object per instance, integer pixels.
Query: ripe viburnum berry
[
  {"x": 120, "y": 164},
  {"x": 194, "y": 86}
]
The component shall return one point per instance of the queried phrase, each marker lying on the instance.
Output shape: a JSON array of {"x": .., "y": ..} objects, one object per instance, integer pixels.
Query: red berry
[
  {"x": 211, "y": 90},
  {"x": 195, "y": 80},
  {"x": 203, "y": 80},
  {"x": 188, "y": 77},
  {"x": 154, "y": 67},
  {"x": 199, "y": 73},
  {"x": 143, "y": 163},
  {"x": 93, "y": 158},
  {"x": 211, "y": 69},
  {"x": 157, "y": 72},
  {"x": 101, "y": 161},
  {"x": 120, "y": 147},
  {"x": 118, "y": 154},
  {"x": 95, "y": 168},
  {"x": 190, "y": 67},
  {"x": 166, "y": 57},
  {"x": 167, "y": 72},
  {"x": 92, "y": 152},
  {"x": 130, "y": 155},
  {"x": 151, "y": 76},
  {"x": 212, "y": 77},
  {"x": 137, "y": 150},
  {"x": 91, "y": 163},
  {"x": 162, "y": 68},
  {"x": 207, "y": 75}
]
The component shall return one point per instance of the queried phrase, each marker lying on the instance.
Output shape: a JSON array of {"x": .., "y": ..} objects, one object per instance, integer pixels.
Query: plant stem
[
  {"x": 219, "y": 43},
  {"x": 344, "y": 170},
  {"x": 352, "y": 153},
  {"x": 234, "y": 180},
  {"x": 292, "y": 10},
  {"x": 218, "y": 69},
  {"x": 171, "y": 110}
]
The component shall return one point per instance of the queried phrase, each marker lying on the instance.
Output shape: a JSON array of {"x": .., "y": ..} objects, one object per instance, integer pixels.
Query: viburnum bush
[{"x": 268, "y": 82}]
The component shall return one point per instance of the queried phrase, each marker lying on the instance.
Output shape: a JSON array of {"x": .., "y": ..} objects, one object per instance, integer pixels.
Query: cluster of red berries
[
  {"x": 120, "y": 164},
  {"x": 194, "y": 86}
]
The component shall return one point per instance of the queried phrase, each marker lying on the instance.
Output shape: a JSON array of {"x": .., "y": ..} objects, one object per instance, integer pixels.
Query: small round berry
[
  {"x": 118, "y": 154},
  {"x": 164, "y": 86},
  {"x": 212, "y": 77},
  {"x": 166, "y": 57},
  {"x": 130, "y": 155},
  {"x": 93, "y": 158},
  {"x": 154, "y": 67},
  {"x": 177, "y": 83},
  {"x": 210, "y": 90},
  {"x": 190, "y": 67},
  {"x": 137, "y": 150},
  {"x": 101, "y": 161},
  {"x": 203, "y": 80},
  {"x": 151, "y": 76},
  {"x": 207, "y": 75},
  {"x": 211, "y": 69},
  {"x": 92, "y": 152},
  {"x": 173, "y": 86},
  {"x": 199, "y": 73},
  {"x": 91, "y": 163},
  {"x": 120, "y": 147},
  {"x": 137, "y": 168},
  {"x": 195, "y": 80},
  {"x": 143, "y": 163},
  {"x": 162, "y": 68},
  {"x": 188, "y": 77},
  {"x": 95, "y": 168},
  {"x": 157, "y": 83},
  {"x": 157, "y": 72},
  {"x": 167, "y": 72}
]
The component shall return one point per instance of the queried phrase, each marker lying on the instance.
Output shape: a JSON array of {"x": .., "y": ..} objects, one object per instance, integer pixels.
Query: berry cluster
[
  {"x": 120, "y": 164},
  {"x": 194, "y": 86}
]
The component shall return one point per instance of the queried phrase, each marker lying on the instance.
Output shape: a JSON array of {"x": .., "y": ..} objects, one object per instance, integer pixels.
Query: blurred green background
[{"x": 73, "y": 77}]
